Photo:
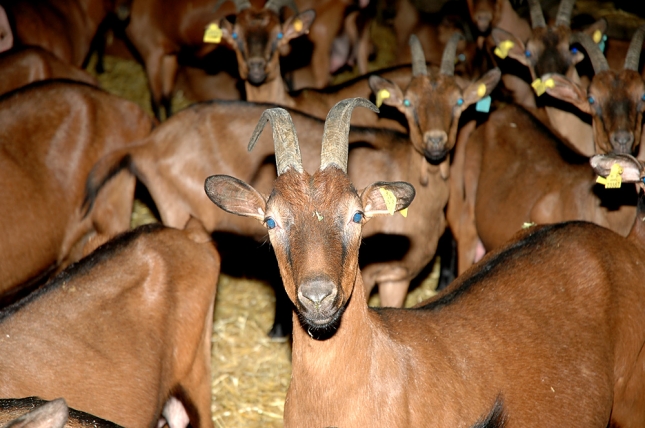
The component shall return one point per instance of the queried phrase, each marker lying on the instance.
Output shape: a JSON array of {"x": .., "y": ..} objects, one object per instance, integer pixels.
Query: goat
[
  {"x": 33, "y": 412},
  {"x": 552, "y": 347},
  {"x": 208, "y": 137},
  {"x": 488, "y": 14},
  {"x": 64, "y": 28},
  {"x": 614, "y": 99},
  {"x": 21, "y": 66},
  {"x": 122, "y": 331},
  {"x": 51, "y": 133}
]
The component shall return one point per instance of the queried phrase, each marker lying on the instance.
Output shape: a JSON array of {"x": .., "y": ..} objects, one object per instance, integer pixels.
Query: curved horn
[
  {"x": 537, "y": 17},
  {"x": 449, "y": 53},
  {"x": 564, "y": 13},
  {"x": 240, "y": 5},
  {"x": 285, "y": 140},
  {"x": 596, "y": 56},
  {"x": 336, "y": 133},
  {"x": 419, "y": 67},
  {"x": 276, "y": 5},
  {"x": 635, "y": 47}
]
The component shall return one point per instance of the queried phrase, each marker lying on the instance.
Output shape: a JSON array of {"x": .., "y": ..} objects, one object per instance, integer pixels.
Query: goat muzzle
[
  {"x": 621, "y": 141},
  {"x": 318, "y": 296},
  {"x": 435, "y": 145},
  {"x": 257, "y": 74}
]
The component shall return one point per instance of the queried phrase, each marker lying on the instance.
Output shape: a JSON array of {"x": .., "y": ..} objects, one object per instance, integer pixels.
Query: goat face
[
  {"x": 615, "y": 100},
  {"x": 258, "y": 38},
  {"x": 432, "y": 105},
  {"x": 482, "y": 13}
]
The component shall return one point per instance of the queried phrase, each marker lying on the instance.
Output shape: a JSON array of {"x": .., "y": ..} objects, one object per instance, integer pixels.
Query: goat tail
[{"x": 101, "y": 173}]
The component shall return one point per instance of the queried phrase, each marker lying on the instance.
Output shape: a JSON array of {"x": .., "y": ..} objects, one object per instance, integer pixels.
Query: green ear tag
[{"x": 483, "y": 105}]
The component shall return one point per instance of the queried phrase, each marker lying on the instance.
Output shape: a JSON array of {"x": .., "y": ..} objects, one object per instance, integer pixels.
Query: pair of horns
[
  {"x": 272, "y": 5},
  {"x": 562, "y": 18},
  {"x": 598, "y": 59},
  {"x": 334, "y": 141},
  {"x": 419, "y": 67}
]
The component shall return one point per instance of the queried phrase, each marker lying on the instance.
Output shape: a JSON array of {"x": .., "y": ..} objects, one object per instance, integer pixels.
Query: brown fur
[
  {"x": 51, "y": 134},
  {"x": 22, "y": 66},
  {"x": 558, "y": 341},
  {"x": 82, "y": 335},
  {"x": 212, "y": 137}
]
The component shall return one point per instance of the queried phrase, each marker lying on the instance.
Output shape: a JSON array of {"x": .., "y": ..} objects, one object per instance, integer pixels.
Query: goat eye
[
  {"x": 591, "y": 100},
  {"x": 357, "y": 217},
  {"x": 643, "y": 97},
  {"x": 406, "y": 102},
  {"x": 460, "y": 101},
  {"x": 527, "y": 53},
  {"x": 270, "y": 223},
  {"x": 574, "y": 50},
  {"x": 234, "y": 35},
  {"x": 280, "y": 35}
]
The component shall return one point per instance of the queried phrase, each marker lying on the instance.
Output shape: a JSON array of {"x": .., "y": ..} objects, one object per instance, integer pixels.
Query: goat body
[
  {"x": 120, "y": 332},
  {"x": 51, "y": 134}
]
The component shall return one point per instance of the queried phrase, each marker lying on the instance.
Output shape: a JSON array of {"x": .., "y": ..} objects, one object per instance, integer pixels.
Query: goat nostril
[
  {"x": 622, "y": 138},
  {"x": 315, "y": 292}
]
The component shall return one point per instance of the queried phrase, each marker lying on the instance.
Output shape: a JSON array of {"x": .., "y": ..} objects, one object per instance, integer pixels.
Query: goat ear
[
  {"x": 383, "y": 197},
  {"x": 567, "y": 91},
  {"x": 227, "y": 32},
  {"x": 481, "y": 88},
  {"x": 391, "y": 95},
  {"x": 633, "y": 169},
  {"x": 517, "y": 51},
  {"x": 297, "y": 25},
  {"x": 235, "y": 196},
  {"x": 196, "y": 231}
]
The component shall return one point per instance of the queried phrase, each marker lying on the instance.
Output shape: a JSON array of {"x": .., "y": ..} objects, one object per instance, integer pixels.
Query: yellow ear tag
[
  {"x": 538, "y": 87},
  {"x": 597, "y": 36},
  {"x": 380, "y": 96},
  {"x": 503, "y": 48},
  {"x": 213, "y": 34},
  {"x": 389, "y": 198},
  {"x": 404, "y": 212},
  {"x": 549, "y": 83},
  {"x": 613, "y": 180},
  {"x": 481, "y": 90},
  {"x": 297, "y": 25}
]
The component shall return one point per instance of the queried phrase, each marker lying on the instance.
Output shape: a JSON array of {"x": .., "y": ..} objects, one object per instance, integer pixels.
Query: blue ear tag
[
  {"x": 483, "y": 105},
  {"x": 601, "y": 45}
]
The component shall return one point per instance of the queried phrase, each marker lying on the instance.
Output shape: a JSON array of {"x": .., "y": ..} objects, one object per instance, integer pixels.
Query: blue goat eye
[
  {"x": 592, "y": 100},
  {"x": 279, "y": 36},
  {"x": 460, "y": 101},
  {"x": 270, "y": 223},
  {"x": 643, "y": 97},
  {"x": 574, "y": 50},
  {"x": 234, "y": 35},
  {"x": 357, "y": 217},
  {"x": 527, "y": 53},
  {"x": 406, "y": 102}
]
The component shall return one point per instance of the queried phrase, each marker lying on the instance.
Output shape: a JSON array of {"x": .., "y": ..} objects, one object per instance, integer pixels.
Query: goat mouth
[
  {"x": 435, "y": 156},
  {"x": 257, "y": 77},
  {"x": 321, "y": 326}
]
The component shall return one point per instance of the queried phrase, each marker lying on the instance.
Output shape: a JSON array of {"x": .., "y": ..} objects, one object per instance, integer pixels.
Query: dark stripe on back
[
  {"x": 98, "y": 256},
  {"x": 494, "y": 264}
]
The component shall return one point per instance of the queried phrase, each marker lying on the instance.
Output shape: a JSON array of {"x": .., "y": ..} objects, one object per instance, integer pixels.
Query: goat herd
[{"x": 522, "y": 141}]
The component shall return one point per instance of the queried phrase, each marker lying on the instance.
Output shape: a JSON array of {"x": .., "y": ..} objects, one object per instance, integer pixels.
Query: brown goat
[
  {"x": 614, "y": 99},
  {"x": 122, "y": 331},
  {"x": 65, "y": 28},
  {"x": 209, "y": 137},
  {"x": 22, "y": 66},
  {"x": 33, "y": 412},
  {"x": 560, "y": 346},
  {"x": 51, "y": 133}
]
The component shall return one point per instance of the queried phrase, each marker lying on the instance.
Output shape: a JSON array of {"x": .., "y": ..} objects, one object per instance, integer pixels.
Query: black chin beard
[{"x": 322, "y": 332}]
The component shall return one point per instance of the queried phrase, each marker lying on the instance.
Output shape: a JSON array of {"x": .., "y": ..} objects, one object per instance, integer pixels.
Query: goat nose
[
  {"x": 483, "y": 20},
  {"x": 622, "y": 139},
  {"x": 317, "y": 294},
  {"x": 256, "y": 70}
]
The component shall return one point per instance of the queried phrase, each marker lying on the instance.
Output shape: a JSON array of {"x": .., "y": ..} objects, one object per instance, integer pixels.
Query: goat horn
[
  {"x": 564, "y": 13},
  {"x": 240, "y": 5},
  {"x": 596, "y": 56},
  {"x": 285, "y": 140},
  {"x": 419, "y": 67},
  {"x": 275, "y": 5},
  {"x": 336, "y": 134},
  {"x": 449, "y": 53},
  {"x": 635, "y": 47},
  {"x": 537, "y": 17}
]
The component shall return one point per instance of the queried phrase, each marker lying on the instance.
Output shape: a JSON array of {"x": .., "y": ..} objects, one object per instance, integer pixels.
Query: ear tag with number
[
  {"x": 613, "y": 180},
  {"x": 380, "y": 96},
  {"x": 213, "y": 33},
  {"x": 503, "y": 48},
  {"x": 389, "y": 198}
]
